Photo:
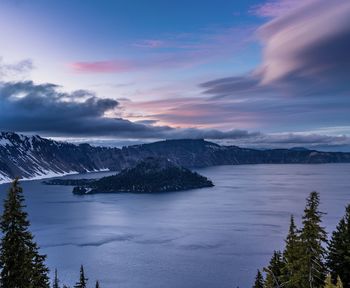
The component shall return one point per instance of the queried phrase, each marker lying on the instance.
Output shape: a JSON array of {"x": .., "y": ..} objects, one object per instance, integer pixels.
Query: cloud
[
  {"x": 291, "y": 140},
  {"x": 194, "y": 133},
  {"x": 302, "y": 139},
  {"x": 239, "y": 84},
  {"x": 150, "y": 43},
  {"x": 276, "y": 8},
  {"x": 15, "y": 69},
  {"x": 108, "y": 66}
]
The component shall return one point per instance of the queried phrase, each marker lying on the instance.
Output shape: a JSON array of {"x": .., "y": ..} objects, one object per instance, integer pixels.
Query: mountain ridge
[{"x": 33, "y": 157}]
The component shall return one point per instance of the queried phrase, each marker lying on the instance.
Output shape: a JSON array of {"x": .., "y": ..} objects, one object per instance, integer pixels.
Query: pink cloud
[
  {"x": 189, "y": 112},
  {"x": 108, "y": 66},
  {"x": 117, "y": 66}
]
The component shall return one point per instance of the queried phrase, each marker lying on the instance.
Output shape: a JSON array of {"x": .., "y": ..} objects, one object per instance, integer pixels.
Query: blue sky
[{"x": 253, "y": 73}]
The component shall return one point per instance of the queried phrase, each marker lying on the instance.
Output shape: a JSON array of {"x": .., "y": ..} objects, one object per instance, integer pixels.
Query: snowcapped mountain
[{"x": 34, "y": 157}]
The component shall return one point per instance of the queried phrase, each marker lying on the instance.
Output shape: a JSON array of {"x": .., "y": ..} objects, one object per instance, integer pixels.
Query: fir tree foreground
[
  {"x": 338, "y": 259},
  {"x": 21, "y": 264},
  {"x": 305, "y": 261}
]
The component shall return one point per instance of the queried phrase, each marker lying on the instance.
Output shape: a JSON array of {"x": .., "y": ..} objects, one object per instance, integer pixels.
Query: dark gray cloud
[
  {"x": 28, "y": 107},
  {"x": 243, "y": 85},
  {"x": 211, "y": 134}
]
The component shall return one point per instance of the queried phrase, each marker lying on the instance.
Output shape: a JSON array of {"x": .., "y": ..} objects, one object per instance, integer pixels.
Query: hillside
[{"x": 33, "y": 157}]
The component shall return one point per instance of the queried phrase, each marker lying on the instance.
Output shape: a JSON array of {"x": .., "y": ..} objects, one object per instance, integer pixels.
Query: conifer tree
[
  {"x": 40, "y": 274},
  {"x": 56, "y": 281},
  {"x": 291, "y": 256},
  {"x": 97, "y": 284},
  {"x": 259, "y": 280},
  {"x": 20, "y": 263},
  {"x": 274, "y": 271},
  {"x": 312, "y": 270},
  {"x": 82, "y": 280},
  {"x": 338, "y": 259}
]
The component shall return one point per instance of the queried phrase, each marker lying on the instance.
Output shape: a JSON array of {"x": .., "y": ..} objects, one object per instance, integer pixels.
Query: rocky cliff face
[{"x": 35, "y": 157}]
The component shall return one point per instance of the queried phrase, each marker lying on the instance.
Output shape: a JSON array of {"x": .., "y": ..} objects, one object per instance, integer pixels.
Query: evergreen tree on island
[
  {"x": 259, "y": 280},
  {"x": 20, "y": 262},
  {"x": 338, "y": 259}
]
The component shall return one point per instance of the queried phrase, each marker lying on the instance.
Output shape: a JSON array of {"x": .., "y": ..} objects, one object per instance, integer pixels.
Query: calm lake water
[{"x": 213, "y": 237}]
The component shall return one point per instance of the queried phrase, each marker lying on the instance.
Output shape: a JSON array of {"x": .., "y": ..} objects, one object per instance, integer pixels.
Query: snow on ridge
[
  {"x": 4, "y": 178},
  {"x": 47, "y": 174},
  {"x": 21, "y": 150},
  {"x": 17, "y": 138},
  {"x": 5, "y": 142}
]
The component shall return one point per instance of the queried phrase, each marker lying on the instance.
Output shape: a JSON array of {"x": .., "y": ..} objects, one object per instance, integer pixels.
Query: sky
[{"x": 252, "y": 73}]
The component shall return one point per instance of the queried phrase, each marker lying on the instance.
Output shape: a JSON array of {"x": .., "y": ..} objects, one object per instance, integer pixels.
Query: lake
[{"x": 212, "y": 237}]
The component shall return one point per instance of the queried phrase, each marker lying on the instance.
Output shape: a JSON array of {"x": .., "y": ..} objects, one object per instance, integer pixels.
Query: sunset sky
[{"x": 249, "y": 73}]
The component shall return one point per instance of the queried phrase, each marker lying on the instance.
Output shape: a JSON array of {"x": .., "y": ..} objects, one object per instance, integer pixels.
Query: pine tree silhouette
[
  {"x": 20, "y": 262},
  {"x": 82, "y": 280}
]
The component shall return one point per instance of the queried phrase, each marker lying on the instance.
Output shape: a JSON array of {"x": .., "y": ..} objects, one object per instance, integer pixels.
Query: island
[{"x": 150, "y": 175}]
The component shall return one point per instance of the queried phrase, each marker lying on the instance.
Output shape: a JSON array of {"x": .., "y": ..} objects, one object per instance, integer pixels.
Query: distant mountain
[
  {"x": 148, "y": 176},
  {"x": 33, "y": 157},
  {"x": 299, "y": 149}
]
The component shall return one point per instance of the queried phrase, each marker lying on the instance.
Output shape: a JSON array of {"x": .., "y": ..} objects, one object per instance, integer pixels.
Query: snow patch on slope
[{"x": 33, "y": 158}]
